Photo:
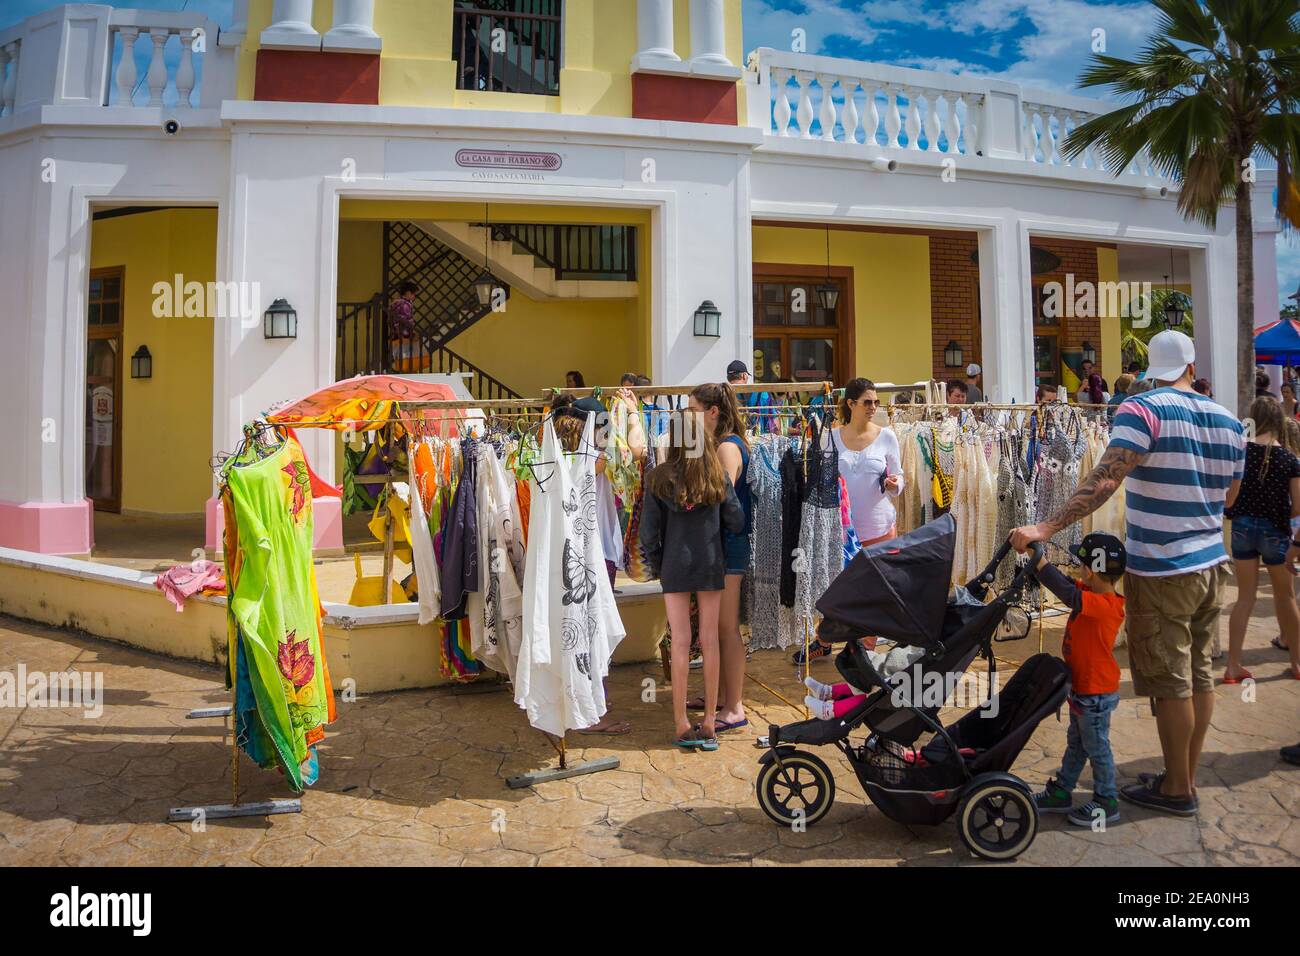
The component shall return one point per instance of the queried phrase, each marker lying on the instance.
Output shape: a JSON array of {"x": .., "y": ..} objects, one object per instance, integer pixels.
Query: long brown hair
[
  {"x": 1266, "y": 412},
  {"x": 730, "y": 419},
  {"x": 690, "y": 473},
  {"x": 1291, "y": 438}
]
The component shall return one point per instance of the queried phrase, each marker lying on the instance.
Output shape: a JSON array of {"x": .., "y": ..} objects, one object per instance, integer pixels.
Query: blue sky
[{"x": 1042, "y": 43}]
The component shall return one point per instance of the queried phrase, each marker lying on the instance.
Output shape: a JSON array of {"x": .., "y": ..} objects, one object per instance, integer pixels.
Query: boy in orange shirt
[{"x": 1096, "y": 613}]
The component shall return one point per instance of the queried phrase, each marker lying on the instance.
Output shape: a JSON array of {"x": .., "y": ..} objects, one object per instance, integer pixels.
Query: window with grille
[{"x": 508, "y": 46}]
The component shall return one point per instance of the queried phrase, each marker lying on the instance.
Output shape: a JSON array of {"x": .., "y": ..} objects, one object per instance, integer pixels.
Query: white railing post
[
  {"x": 827, "y": 114},
  {"x": 781, "y": 111},
  {"x": 157, "y": 75},
  {"x": 913, "y": 120},
  {"x": 354, "y": 28},
  {"x": 805, "y": 111},
  {"x": 872, "y": 121},
  {"x": 893, "y": 117},
  {"x": 185, "y": 71},
  {"x": 291, "y": 27},
  {"x": 931, "y": 122},
  {"x": 126, "y": 71},
  {"x": 849, "y": 115}
]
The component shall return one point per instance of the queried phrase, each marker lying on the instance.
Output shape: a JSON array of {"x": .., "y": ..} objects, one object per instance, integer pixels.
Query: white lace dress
[{"x": 571, "y": 624}]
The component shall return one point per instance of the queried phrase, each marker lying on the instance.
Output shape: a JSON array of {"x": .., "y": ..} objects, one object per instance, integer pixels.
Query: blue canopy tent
[{"x": 1278, "y": 344}]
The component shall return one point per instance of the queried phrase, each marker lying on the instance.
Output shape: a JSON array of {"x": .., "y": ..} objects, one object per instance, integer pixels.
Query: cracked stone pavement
[{"x": 418, "y": 777}]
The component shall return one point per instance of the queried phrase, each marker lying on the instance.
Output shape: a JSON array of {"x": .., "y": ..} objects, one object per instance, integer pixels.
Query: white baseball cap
[
  {"x": 1168, "y": 355},
  {"x": 972, "y": 370}
]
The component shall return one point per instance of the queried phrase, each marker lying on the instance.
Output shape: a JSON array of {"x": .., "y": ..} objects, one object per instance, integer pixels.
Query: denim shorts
[
  {"x": 1259, "y": 538},
  {"x": 736, "y": 550}
]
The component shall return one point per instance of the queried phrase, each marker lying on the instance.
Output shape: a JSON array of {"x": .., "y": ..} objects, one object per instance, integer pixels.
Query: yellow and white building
[{"x": 612, "y": 165}]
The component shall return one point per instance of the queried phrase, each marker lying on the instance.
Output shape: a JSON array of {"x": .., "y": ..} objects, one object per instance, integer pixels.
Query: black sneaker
[
  {"x": 1087, "y": 814},
  {"x": 1152, "y": 780},
  {"x": 1053, "y": 798},
  {"x": 815, "y": 650},
  {"x": 1144, "y": 795},
  {"x": 1291, "y": 754}
]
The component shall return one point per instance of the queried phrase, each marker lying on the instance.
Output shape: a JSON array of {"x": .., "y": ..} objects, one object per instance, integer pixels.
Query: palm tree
[
  {"x": 1135, "y": 335},
  {"x": 1214, "y": 91}
]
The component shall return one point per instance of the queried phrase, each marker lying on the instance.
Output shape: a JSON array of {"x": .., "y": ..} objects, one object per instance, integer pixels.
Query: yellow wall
[
  {"x": 1112, "y": 359},
  {"x": 166, "y": 420},
  {"x": 416, "y": 68},
  {"x": 532, "y": 343},
  {"x": 891, "y": 292}
]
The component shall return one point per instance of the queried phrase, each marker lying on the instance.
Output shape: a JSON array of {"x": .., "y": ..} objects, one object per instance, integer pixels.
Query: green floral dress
[{"x": 276, "y": 646}]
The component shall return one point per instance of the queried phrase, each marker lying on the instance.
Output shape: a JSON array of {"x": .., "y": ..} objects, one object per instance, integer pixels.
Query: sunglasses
[{"x": 869, "y": 402}]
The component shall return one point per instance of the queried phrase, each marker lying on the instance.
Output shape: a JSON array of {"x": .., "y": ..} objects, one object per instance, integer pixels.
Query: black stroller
[{"x": 899, "y": 590}]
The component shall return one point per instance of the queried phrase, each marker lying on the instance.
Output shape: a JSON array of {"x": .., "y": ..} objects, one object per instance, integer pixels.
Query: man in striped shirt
[{"x": 1181, "y": 453}]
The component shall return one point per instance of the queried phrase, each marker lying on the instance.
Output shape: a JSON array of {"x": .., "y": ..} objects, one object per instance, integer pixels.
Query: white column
[
  {"x": 126, "y": 69},
  {"x": 708, "y": 33},
  {"x": 291, "y": 27},
  {"x": 1006, "y": 327},
  {"x": 354, "y": 28},
  {"x": 654, "y": 35}
]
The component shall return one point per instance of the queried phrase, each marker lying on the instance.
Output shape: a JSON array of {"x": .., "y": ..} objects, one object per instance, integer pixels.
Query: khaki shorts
[{"x": 1172, "y": 622}]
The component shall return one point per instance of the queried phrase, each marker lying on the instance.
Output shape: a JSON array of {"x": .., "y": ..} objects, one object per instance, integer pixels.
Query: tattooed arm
[{"x": 1093, "y": 492}]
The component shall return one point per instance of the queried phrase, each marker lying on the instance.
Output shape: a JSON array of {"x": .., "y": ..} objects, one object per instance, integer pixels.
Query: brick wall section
[
  {"x": 954, "y": 301},
  {"x": 954, "y": 296}
]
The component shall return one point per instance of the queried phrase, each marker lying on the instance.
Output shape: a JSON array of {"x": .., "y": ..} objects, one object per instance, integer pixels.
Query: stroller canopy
[{"x": 897, "y": 589}]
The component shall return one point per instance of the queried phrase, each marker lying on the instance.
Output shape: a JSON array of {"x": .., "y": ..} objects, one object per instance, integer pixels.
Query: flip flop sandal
[
  {"x": 1245, "y": 676},
  {"x": 721, "y": 726},
  {"x": 1277, "y": 642},
  {"x": 706, "y": 743},
  {"x": 617, "y": 729},
  {"x": 695, "y": 703},
  {"x": 689, "y": 741}
]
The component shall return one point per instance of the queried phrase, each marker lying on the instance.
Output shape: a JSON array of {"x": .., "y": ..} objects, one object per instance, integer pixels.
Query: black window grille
[{"x": 508, "y": 46}]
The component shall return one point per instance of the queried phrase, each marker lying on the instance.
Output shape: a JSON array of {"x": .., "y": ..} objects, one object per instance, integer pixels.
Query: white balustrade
[
  {"x": 917, "y": 111},
  {"x": 170, "y": 80}
]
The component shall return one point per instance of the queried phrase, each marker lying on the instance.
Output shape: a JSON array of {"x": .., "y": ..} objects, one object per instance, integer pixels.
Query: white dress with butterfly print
[{"x": 570, "y": 621}]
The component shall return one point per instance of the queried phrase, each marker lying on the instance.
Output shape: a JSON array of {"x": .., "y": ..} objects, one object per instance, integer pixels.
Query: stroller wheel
[
  {"x": 800, "y": 791},
  {"x": 997, "y": 820}
]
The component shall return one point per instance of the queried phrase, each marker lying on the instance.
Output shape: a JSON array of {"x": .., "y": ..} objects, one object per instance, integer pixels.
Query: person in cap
[
  {"x": 974, "y": 378},
  {"x": 757, "y": 405},
  {"x": 1096, "y": 613},
  {"x": 1181, "y": 455}
]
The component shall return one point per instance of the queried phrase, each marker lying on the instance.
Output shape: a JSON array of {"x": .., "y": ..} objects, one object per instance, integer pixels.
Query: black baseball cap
[
  {"x": 737, "y": 368},
  {"x": 1097, "y": 544}
]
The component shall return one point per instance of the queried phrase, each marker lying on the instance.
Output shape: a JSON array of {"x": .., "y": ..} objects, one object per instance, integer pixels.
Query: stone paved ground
[{"x": 419, "y": 778}]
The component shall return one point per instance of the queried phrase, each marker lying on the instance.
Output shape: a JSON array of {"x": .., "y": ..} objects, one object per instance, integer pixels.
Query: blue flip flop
[{"x": 721, "y": 725}]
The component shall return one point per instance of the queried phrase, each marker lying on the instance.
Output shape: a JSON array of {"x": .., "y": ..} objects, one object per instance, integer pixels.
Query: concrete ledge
[{"x": 377, "y": 648}]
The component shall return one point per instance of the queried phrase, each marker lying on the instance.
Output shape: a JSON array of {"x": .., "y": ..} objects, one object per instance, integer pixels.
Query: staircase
[
  {"x": 446, "y": 304},
  {"x": 548, "y": 262}
]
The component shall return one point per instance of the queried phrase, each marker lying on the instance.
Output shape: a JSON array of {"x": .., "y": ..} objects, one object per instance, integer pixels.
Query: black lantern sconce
[
  {"x": 708, "y": 320},
  {"x": 828, "y": 294},
  {"x": 952, "y": 355},
  {"x": 1175, "y": 311},
  {"x": 142, "y": 363},
  {"x": 281, "y": 321},
  {"x": 1089, "y": 353}
]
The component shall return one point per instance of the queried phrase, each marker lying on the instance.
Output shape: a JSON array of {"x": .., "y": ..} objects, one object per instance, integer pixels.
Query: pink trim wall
[{"x": 48, "y": 527}]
